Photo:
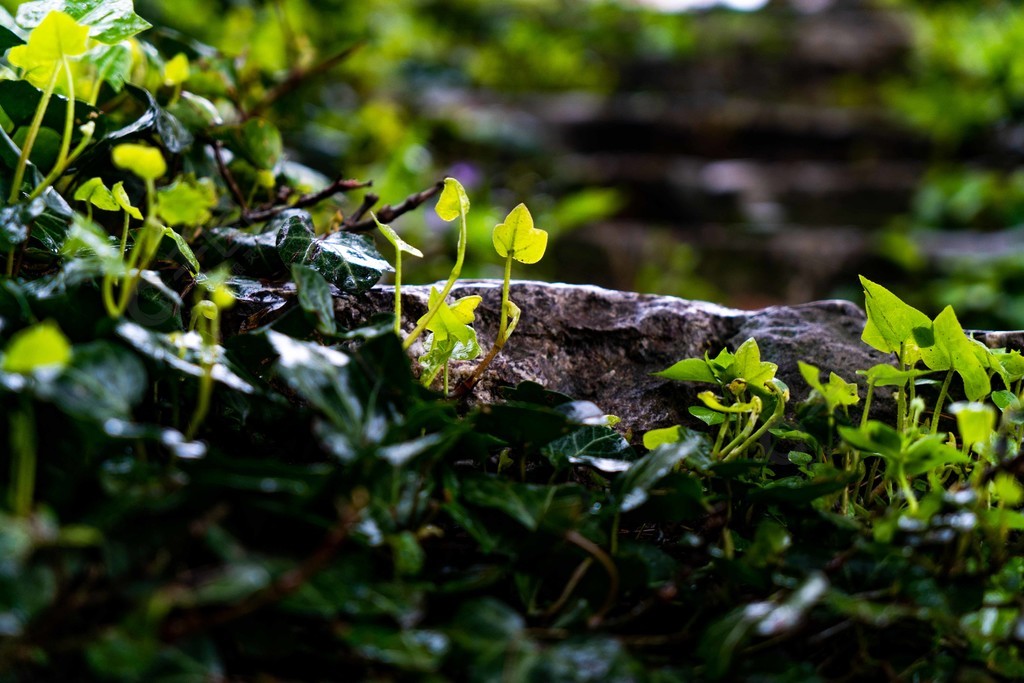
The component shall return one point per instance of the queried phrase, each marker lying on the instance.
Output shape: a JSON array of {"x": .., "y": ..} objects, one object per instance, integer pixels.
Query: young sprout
[
  {"x": 453, "y": 203},
  {"x": 516, "y": 239},
  {"x": 400, "y": 246},
  {"x": 451, "y": 336},
  {"x": 176, "y": 72}
]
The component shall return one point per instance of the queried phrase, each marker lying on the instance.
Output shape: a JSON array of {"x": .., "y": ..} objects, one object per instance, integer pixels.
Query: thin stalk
[
  {"x": 452, "y": 277},
  {"x": 398, "y": 291},
  {"x": 124, "y": 233},
  {"x": 867, "y": 404},
  {"x": 908, "y": 491},
  {"x": 23, "y": 460},
  {"x": 65, "y": 140},
  {"x": 901, "y": 397},
  {"x": 206, "y": 381},
  {"x": 30, "y": 138},
  {"x": 499, "y": 341},
  {"x": 942, "y": 399}
]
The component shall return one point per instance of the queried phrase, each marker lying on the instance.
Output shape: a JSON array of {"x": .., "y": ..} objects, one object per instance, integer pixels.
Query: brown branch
[
  {"x": 339, "y": 185},
  {"x": 297, "y": 76},
  {"x": 369, "y": 199},
  {"x": 195, "y": 621},
  {"x": 228, "y": 177},
  {"x": 389, "y": 213}
]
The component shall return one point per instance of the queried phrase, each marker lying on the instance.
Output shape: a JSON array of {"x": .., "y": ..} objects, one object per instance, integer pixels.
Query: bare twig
[
  {"x": 369, "y": 199},
  {"x": 228, "y": 176},
  {"x": 389, "y": 213},
  {"x": 297, "y": 76},
  {"x": 339, "y": 185}
]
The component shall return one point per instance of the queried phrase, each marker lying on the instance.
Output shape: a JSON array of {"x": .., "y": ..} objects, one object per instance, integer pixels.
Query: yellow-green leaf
[
  {"x": 658, "y": 437},
  {"x": 176, "y": 71},
  {"x": 463, "y": 309},
  {"x": 396, "y": 241},
  {"x": 121, "y": 197},
  {"x": 97, "y": 194},
  {"x": 144, "y": 161},
  {"x": 55, "y": 39},
  {"x": 518, "y": 237},
  {"x": 453, "y": 201},
  {"x": 40, "y": 346}
]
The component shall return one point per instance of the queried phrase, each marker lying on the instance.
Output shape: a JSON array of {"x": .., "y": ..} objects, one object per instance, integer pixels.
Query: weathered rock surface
[{"x": 602, "y": 345}]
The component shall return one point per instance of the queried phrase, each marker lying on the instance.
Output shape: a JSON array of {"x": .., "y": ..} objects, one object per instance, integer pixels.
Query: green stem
[
  {"x": 398, "y": 291},
  {"x": 30, "y": 138},
  {"x": 780, "y": 407},
  {"x": 65, "y": 140},
  {"x": 908, "y": 491},
  {"x": 124, "y": 233},
  {"x": 867, "y": 405},
  {"x": 23, "y": 460},
  {"x": 456, "y": 271},
  {"x": 942, "y": 399},
  {"x": 206, "y": 381},
  {"x": 503, "y": 324}
]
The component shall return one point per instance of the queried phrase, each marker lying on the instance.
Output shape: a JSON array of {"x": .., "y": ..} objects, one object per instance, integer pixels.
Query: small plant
[{"x": 401, "y": 246}]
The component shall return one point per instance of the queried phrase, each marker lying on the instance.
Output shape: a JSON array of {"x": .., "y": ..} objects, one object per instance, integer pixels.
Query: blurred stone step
[{"x": 764, "y": 193}]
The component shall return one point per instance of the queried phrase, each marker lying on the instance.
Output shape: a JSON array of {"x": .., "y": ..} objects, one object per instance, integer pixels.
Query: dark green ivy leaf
[
  {"x": 109, "y": 21},
  {"x": 349, "y": 262},
  {"x": 315, "y": 297}
]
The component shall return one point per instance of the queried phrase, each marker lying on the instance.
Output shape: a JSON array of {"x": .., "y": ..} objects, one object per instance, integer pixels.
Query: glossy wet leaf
[
  {"x": 294, "y": 235},
  {"x": 20, "y": 101},
  {"x": 348, "y": 261},
  {"x": 891, "y": 322},
  {"x": 518, "y": 236},
  {"x": 315, "y": 297},
  {"x": 410, "y": 649},
  {"x": 183, "y": 249},
  {"x": 113, "y": 65},
  {"x": 595, "y": 446},
  {"x": 40, "y": 347},
  {"x": 109, "y": 21},
  {"x": 174, "y": 137},
  {"x": 102, "y": 381},
  {"x": 633, "y": 487}
]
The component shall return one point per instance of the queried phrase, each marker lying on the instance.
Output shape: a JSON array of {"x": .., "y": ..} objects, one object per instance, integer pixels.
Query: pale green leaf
[
  {"x": 176, "y": 71},
  {"x": 109, "y": 21},
  {"x": 41, "y": 346},
  {"x": 453, "y": 201},
  {"x": 144, "y": 161},
  {"x": 976, "y": 422},
  {"x": 747, "y": 365},
  {"x": 518, "y": 237},
  {"x": 397, "y": 242},
  {"x": 97, "y": 194},
  {"x": 891, "y": 322},
  {"x": 184, "y": 249},
  {"x": 56, "y": 38},
  {"x": 952, "y": 349},
  {"x": 186, "y": 202},
  {"x": 688, "y": 370},
  {"x": 657, "y": 437},
  {"x": 123, "y": 201}
]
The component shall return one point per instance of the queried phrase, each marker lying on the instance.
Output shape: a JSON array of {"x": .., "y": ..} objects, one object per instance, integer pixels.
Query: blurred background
[{"x": 751, "y": 152}]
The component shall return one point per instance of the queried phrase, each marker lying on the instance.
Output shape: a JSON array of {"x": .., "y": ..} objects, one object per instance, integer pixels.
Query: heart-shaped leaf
[
  {"x": 518, "y": 237},
  {"x": 453, "y": 201},
  {"x": 891, "y": 322},
  {"x": 142, "y": 160},
  {"x": 56, "y": 38},
  {"x": 109, "y": 21}
]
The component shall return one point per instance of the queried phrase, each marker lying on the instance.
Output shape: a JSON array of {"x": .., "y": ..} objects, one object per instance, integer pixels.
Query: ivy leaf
[
  {"x": 96, "y": 193},
  {"x": 42, "y": 346},
  {"x": 837, "y": 392},
  {"x": 453, "y": 201},
  {"x": 174, "y": 136},
  {"x": 186, "y": 202},
  {"x": 397, "y": 242},
  {"x": 891, "y": 322},
  {"x": 113, "y": 65},
  {"x": 176, "y": 70},
  {"x": 57, "y": 37},
  {"x": 747, "y": 365},
  {"x": 952, "y": 349},
  {"x": 349, "y": 262},
  {"x": 600, "y": 447},
  {"x": 976, "y": 422},
  {"x": 108, "y": 21},
  {"x": 295, "y": 235},
  {"x": 689, "y": 370},
  {"x": 122, "y": 200},
  {"x": 183, "y": 248},
  {"x": 634, "y": 486},
  {"x": 315, "y": 297},
  {"x": 518, "y": 237},
  {"x": 142, "y": 160},
  {"x": 883, "y": 375}
]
